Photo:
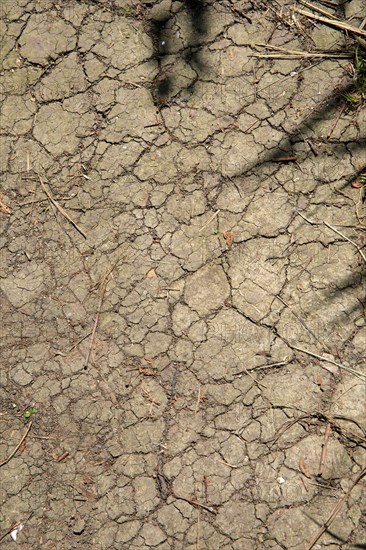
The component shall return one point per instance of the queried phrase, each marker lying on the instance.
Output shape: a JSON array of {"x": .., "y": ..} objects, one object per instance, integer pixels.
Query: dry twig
[
  {"x": 18, "y": 446},
  {"x": 195, "y": 503},
  {"x": 324, "y": 449},
  {"x": 198, "y": 400},
  {"x": 301, "y": 321},
  {"x": 361, "y": 41},
  {"x": 198, "y": 530},
  {"x": 103, "y": 289},
  {"x": 294, "y": 54},
  {"x": 332, "y": 22},
  {"x": 281, "y": 80},
  {"x": 312, "y": 222},
  {"x": 348, "y": 369},
  {"x": 253, "y": 378},
  {"x": 319, "y": 10},
  {"x": 346, "y": 433},
  {"x": 347, "y": 239},
  {"x": 209, "y": 220},
  {"x": 8, "y": 531},
  {"x": 271, "y": 365},
  {"x": 337, "y": 120},
  {"x": 60, "y": 209},
  {"x": 335, "y": 511}
]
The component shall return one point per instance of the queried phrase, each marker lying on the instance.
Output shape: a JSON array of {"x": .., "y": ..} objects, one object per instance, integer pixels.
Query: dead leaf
[
  {"x": 151, "y": 273},
  {"x": 4, "y": 207},
  {"x": 146, "y": 371},
  {"x": 357, "y": 184},
  {"x": 228, "y": 236},
  {"x": 319, "y": 380},
  {"x": 149, "y": 360},
  {"x": 87, "y": 494},
  {"x": 303, "y": 468}
]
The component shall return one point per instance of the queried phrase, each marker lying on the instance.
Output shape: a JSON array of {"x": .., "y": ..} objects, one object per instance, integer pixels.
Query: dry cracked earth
[{"x": 183, "y": 322}]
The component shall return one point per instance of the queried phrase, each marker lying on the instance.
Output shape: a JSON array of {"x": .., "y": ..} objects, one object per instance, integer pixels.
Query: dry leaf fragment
[
  {"x": 146, "y": 371},
  {"x": 319, "y": 380},
  {"x": 4, "y": 207},
  {"x": 228, "y": 236},
  {"x": 87, "y": 494},
  {"x": 149, "y": 360},
  {"x": 151, "y": 273}
]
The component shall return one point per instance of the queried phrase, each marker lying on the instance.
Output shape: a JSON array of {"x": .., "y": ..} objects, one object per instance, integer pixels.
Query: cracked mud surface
[{"x": 186, "y": 357}]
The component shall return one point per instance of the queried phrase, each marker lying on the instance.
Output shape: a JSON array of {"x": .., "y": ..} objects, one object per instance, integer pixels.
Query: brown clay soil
[{"x": 182, "y": 272}]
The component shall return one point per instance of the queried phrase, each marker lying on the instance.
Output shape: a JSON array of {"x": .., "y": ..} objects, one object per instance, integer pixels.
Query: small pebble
[{"x": 79, "y": 526}]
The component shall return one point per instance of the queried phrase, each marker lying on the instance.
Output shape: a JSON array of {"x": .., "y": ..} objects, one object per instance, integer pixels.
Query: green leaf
[{"x": 30, "y": 411}]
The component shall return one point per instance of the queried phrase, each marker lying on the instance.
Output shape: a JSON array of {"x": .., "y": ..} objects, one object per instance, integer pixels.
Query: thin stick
[
  {"x": 60, "y": 209},
  {"x": 319, "y": 10},
  {"x": 336, "y": 231},
  {"x": 198, "y": 400},
  {"x": 43, "y": 437},
  {"x": 302, "y": 55},
  {"x": 299, "y": 53},
  {"x": 195, "y": 503},
  {"x": 329, "y": 487},
  {"x": 301, "y": 321},
  {"x": 348, "y": 369},
  {"x": 315, "y": 152},
  {"x": 104, "y": 288},
  {"x": 284, "y": 159},
  {"x": 198, "y": 530},
  {"x": 74, "y": 345},
  {"x": 15, "y": 525},
  {"x": 8, "y": 531},
  {"x": 209, "y": 221},
  {"x": 335, "y": 511},
  {"x": 332, "y": 22},
  {"x": 253, "y": 378},
  {"x": 18, "y": 446},
  {"x": 228, "y": 464},
  {"x": 347, "y": 239},
  {"x": 79, "y": 342},
  {"x": 269, "y": 366},
  {"x": 322, "y": 417},
  {"x": 32, "y": 201},
  {"x": 305, "y": 218},
  {"x": 324, "y": 450},
  {"x": 329, "y": 3},
  {"x": 337, "y": 120},
  {"x": 285, "y": 50},
  {"x": 280, "y": 80}
]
